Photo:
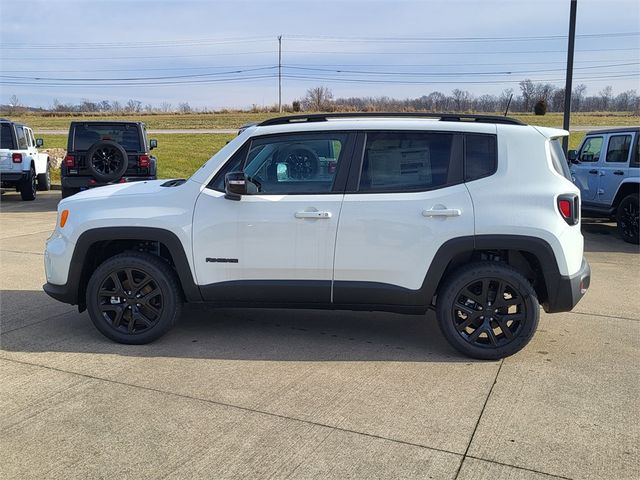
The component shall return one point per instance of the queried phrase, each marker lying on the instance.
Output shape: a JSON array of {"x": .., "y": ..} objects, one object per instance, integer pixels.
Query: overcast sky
[{"x": 218, "y": 54}]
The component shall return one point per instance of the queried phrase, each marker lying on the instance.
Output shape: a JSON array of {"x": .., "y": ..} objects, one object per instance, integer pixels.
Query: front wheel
[
  {"x": 627, "y": 219},
  {"x": 488, "y": 310},
  {"x": 28, "y": 186},
  {"x": 134, "y": 298}
]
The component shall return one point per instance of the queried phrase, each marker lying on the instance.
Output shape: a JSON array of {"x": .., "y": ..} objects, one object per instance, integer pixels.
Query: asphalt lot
[{"x": 304, "y": 394}]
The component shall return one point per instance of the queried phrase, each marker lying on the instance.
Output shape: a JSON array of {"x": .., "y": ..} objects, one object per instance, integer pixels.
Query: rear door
[
  {"x": 586, "y": 172},
  {"x": 406, "y": 199},
  {"x": 615, "y": 167}
]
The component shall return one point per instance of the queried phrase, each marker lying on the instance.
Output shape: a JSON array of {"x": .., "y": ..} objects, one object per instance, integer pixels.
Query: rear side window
[
  {"x": 22, "y": 139},
  {"x": 85, "y": 135},
  {"x": 618, "y": 149},
  {"x": 558, "y": 158},
  {"x": 480, "y": 156},
  {"x": 405, "y": 161},
  {"x": 6, "y": 138}
]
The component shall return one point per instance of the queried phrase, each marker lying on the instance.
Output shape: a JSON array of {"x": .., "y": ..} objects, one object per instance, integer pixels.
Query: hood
[{"x": 147, "y": 187}]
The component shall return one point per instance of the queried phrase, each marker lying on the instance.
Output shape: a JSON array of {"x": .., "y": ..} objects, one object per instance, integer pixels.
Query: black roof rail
[{"x": 443, "y": 117}]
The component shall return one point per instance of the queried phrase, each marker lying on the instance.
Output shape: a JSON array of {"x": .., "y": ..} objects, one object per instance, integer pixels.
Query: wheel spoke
[
  {"x": 118, "y": 318},
  {"x": 503, "y": 326},
  {"x": 492, "y": 336},
  {"x": 476, "y": 333},
  {"x": 473, "y": 297}
]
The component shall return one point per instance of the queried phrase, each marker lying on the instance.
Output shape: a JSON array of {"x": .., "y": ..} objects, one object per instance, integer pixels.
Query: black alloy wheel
[
  {"x": 487, "y": 310},
  {"x": 134, "y": 297},
  {"x": 628, "y": 219},
  {"x": 28, "y": 187},
  {"x": 302, "y": 163},
  {"x": 107, "y": 161},
  {"x": 129, "y": 300}
]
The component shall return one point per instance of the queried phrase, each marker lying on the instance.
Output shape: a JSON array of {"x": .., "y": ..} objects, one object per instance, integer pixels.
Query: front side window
[
  {"x": 294, "y": 163},
  {"x": 618, "y": 149},
  {"x": 405, "y": 161},
  {"x": 22, "y": 138},
  {"x": 590, "y": 151}
]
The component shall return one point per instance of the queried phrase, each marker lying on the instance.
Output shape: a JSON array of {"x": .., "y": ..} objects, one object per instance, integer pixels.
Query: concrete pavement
[{"x": 305, "y": 394}]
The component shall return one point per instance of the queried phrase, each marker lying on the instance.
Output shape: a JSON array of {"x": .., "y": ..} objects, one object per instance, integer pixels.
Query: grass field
[{"x": 235, "y": 120}]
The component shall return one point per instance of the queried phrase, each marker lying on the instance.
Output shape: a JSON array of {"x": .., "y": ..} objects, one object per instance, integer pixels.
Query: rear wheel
[
  {"x": 28, "y": 186},
  {"x": 134, "y": 298},
  {"x": 488, "y": 310},
  {"x": 627, "y": 219},
  {"x": 44, "y": 180}
]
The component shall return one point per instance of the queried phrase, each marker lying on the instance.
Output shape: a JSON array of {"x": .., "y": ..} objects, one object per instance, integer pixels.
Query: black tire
[
  {"x": 472, "y": 291},
  {"x": 67, "y": 191},
  {"x": 107, "y": 161},
  {"x": 627, "y": 219},
  {"x": 44, "y": 180},
  {"x": 28, "y": 186},
  {"x": 139, "y": 309}
]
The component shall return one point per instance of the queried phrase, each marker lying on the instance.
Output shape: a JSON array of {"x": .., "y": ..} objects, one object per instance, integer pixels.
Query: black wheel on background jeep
[
  {"x": 107, "y": 160},
  {"x": 44, "y": 180},
  {"x": 28, "y": 186},
  {"x": 627, "y": 219},
  {"x": 134, "y": 298},
  {"x": 488, "y": 310}
]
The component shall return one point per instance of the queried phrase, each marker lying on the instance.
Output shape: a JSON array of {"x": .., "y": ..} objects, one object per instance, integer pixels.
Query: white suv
[{"x": 473, "y": 216}]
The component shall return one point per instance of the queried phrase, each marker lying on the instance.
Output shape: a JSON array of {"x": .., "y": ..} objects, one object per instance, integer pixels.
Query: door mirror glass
[
  {"x": 235, "y": 185},
  {"x": 39, "y": 142},
  {"x": 153, "y": 143},
  {"x": 572, "y": 156}
]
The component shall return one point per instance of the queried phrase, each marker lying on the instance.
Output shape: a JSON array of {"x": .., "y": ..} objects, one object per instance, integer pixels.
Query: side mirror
[
  {"x": 153, "y": 143},
  {"x": 235, "y": 185},
  {"x": 573, "y": 156},
  {"x": 39, "y": 142}
]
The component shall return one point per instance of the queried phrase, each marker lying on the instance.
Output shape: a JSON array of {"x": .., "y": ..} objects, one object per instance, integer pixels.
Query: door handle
[
  {"x": 593, "y": 172},
  {"x": 313, "y": 214},
  {"x": 618, "y": 172},
  {"x": 442, "y": 212}
]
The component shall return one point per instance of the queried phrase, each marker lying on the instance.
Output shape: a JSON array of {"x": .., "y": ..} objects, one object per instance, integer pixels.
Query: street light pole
[
  {"x": 280, "y": 73},
  {"x": 569, "y": 77}
]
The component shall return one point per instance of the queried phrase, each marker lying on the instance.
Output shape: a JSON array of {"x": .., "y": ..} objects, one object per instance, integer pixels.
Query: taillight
[
  {"x": 569, "y": 208},
  {"x": 69, "y": 161},
  {"x": 143, "y": 161},
  {"x": 16, "y": 158}
]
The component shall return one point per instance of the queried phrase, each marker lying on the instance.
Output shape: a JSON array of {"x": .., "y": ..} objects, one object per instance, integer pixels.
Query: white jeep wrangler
[
  {"x": 473, "y": 216},
  {"x": 21, "y": 166}
]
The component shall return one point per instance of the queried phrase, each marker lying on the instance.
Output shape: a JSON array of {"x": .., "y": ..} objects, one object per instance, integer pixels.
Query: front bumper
[
  {"x": 85, "y": 182},
  {"x": 568, "y": 290}
]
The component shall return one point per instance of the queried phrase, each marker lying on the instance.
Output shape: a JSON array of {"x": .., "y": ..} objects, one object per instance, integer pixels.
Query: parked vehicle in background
[
  {"x": 106, "y": 152},
  {"x": 606, "y": 168},
  {"x": 472, "y": 216},
  {"x": 21, "y": 165}
]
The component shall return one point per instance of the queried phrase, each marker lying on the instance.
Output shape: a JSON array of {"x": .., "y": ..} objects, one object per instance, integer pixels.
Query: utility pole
[
  {"x": 569, "y": 78},
  {"x": 280, "y": 73}
]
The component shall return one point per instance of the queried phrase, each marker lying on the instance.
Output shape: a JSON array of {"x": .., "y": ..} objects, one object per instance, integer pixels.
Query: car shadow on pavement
[
  {"x": 10, "y": 202},
  {"x": 239, "y": 334},
  {"x": 601, "y": 235}
]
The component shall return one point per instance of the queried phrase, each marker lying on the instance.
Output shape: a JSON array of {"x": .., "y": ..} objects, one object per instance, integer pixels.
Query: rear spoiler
[{"x": 551, "y": 132}]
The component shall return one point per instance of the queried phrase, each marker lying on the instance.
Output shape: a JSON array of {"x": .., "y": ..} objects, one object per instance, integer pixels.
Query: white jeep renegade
[{"x": 473, "y": 216}]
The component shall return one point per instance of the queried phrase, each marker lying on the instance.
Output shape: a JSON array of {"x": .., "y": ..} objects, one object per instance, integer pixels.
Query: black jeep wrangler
[{"x": 105, "y": 152}]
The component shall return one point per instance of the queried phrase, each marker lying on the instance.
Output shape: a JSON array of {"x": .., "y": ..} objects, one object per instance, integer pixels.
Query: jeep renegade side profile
[{"x": 473, "y": 216}]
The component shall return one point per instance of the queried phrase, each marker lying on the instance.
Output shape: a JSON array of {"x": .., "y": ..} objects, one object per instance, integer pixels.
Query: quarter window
[
  {"x": 294, "y": 163},
  {"x": 590, "y": 151},
  {"x": 618, "y": 149},
  {"x": 6, "y": 139},
  {"x": 22, "y": 139},
  {"x": 480, "y": 156},
  {"x": 401, "y": 161}
]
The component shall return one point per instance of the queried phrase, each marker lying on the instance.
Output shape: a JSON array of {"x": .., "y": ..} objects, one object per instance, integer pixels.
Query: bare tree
[
  {"x": 606, "y": 94},
  {"x": 165, "y": 107},
  {"x": 577, "y": 97},
  {"x": 461, "y": 99},
  {"x": 133, "y": 106},
  {"x": 528, "y": 90},
  {"x": 317, "y": 99},
  {"x": 184, "y": 107}
]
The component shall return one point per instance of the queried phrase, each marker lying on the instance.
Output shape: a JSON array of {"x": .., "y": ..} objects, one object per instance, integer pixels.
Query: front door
[
  {"x": 586, "y": 172},
  {"x": 276, "y": 244}
]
